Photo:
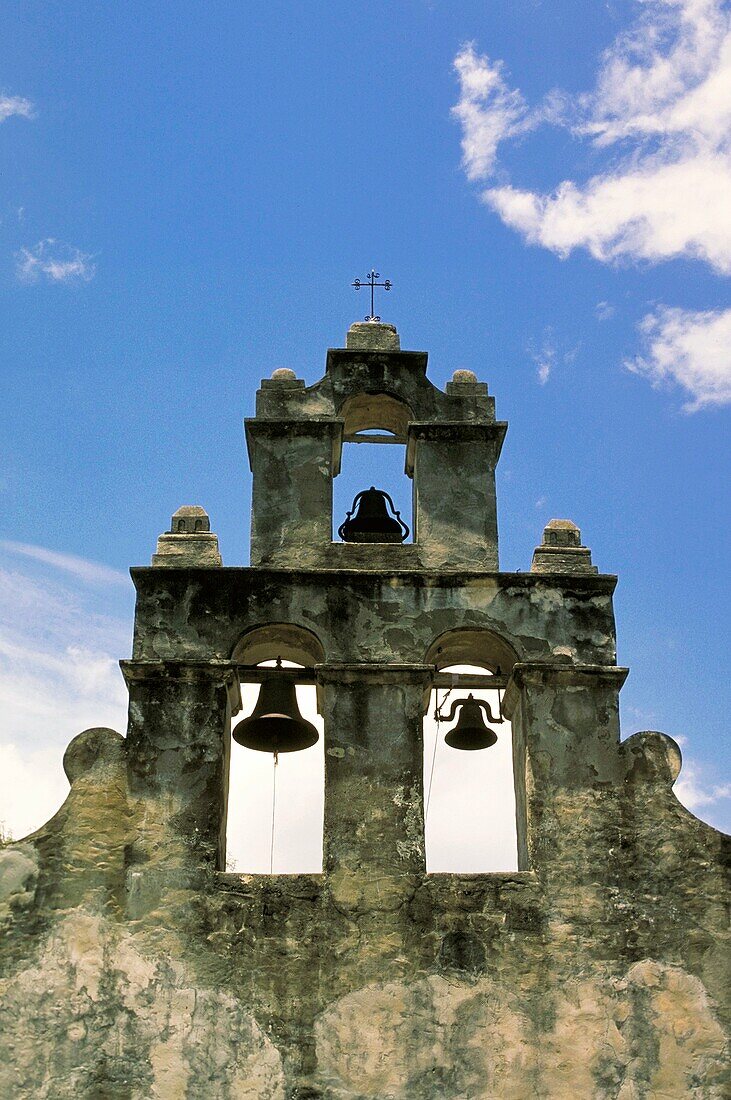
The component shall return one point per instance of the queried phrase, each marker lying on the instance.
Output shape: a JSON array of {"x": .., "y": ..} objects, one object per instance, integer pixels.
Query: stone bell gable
[
  {"x": 133, "y": 965},
  {"x": 453, "y": 444}
]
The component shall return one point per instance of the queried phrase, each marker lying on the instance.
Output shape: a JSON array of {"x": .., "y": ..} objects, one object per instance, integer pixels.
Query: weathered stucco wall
[
  {"x": 133, "y": 967},
  {"x": 598, "y": 973}
]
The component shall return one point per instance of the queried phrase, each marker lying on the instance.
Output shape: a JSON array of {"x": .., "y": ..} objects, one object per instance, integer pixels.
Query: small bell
[
  {"x": 471, "y": 732},
  {"x": 372, "y": 523},
  {"x": 275, "y": 724}
]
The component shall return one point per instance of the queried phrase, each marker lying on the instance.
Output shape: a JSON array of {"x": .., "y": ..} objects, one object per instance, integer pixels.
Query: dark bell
[
  {"x": 275, "y": 724},
  {"x": 372, "y": 522},
  {"x": 471, "y": 732}
]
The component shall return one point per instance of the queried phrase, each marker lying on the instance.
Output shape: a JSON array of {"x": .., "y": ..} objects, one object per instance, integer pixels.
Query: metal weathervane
[{"x": 371, "y": 281}]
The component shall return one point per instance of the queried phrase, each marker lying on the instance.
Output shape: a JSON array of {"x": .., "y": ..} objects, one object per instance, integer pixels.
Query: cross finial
[{"x": 371, "y": 281}]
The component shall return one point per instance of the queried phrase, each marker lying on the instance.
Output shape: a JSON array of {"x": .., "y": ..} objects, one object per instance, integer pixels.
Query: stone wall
[{"x": 133, "y": 967}]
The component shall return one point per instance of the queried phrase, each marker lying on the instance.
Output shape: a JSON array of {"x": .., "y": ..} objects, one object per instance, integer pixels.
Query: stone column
[
  {"x": 566, "y": 735},
  {"x": 455, "y": 510},
  {"x": 374, "y": 827},
  {"x": 293, "y": 463},
  {"x": 178, "y": 747}
]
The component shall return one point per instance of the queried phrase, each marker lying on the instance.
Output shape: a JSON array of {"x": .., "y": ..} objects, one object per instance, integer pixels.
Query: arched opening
[
  {"x": 472, "y": 803},
  {"x": 275, "y": 811},
  {"x": 367, "y": 412},
  {"x": 372, "y": 420}
]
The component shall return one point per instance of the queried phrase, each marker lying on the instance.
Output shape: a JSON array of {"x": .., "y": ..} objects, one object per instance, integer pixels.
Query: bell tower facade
[
  {"x": 453, "y": 443},
  {"x": 597, "y": 969}
]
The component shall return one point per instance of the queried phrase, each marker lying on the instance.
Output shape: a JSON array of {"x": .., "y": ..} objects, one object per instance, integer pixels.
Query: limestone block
[{"x": 372, "y": 336}]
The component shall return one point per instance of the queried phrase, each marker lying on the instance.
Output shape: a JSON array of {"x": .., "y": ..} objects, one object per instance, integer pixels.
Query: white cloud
[
  {"x": 663, "y": 101},
  {"x": 696, "y": 792},
  {"x": 91, "y": 572},
  {"x": 689, "y": 349},
  {"x": 57, "y": 262},
  {"x": 652, "y": 210},
  {"x": 15, "y": 105},
  {"x": 32, "y": 787},
  {"x": 545, "y": 360},
  {"x": 61, "y": 635},
  {"x": 547, "y": 355},
  {"x": 488, "y": 111},
  {"x": 604, "y": 311}
]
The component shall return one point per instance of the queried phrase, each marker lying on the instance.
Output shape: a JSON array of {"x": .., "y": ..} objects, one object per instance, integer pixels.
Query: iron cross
[{"x": 370, "y": 281}]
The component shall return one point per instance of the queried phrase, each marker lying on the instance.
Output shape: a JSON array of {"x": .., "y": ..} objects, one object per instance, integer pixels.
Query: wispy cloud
[
  {"x": 696, "y": 792},
  {"x": 662, "y": 100},
  {"x": 91, "y": 572},
  {"x": 688, "y": 349},
  {"x": 547, "y": 355},
  {"x": 545, "y": 360},
  {"x": 64, "y": 624},
  {"x": 15, "y": 105},
  {"x": 32, "y": 787},
  {"x": 488, "y": 110},
  {"x": 54, "y": 261},
  {"x": 604, "y": 311}
]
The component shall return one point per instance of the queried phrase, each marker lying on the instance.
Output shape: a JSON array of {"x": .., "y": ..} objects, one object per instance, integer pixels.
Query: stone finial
[
  {"x": 283, "y": 378},
  {"x": 561, "y": 532},
  {"x": 189, "y": 542},
  {"x": 464, "y": 384},
  {"x": 561, "y": 550},
  {"x": 372, "y": 336},
  {"x": 191, "y": 519}
]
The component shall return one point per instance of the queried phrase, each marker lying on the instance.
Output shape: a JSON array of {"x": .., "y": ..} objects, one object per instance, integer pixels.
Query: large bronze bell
[
  {"x": 471, "y": 732},
  {"x": 275, "y": 724},
  {"x": 372, "y": 523}
]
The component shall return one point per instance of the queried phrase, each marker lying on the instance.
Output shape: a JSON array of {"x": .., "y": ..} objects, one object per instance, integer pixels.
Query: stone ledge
[
  {"x": 595, "y": 583},
  {"x": 563, "y": 675}
]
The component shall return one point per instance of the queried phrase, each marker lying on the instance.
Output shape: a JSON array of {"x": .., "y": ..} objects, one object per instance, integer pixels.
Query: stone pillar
[
  {"x": 178, "y": 747},
  {"x": 455, "y": 509},
  {"x": 374, "y": 827},
  {"x": 566, "y": 732},
  {"x": 293, "y": 463}
]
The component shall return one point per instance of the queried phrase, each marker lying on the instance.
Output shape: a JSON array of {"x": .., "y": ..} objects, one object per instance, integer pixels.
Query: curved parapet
[{"x": 97, "y": 747}]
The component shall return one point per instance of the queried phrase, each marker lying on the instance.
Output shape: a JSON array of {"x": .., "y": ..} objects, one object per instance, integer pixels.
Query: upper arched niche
[
  {"x": 285, "y": 640},
  {"x": 466, "y": 646},
  {"x": 366, "y": 411}
]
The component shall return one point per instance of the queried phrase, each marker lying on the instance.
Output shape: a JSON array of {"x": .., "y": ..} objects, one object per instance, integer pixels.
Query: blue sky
[{"x": 189, "y": 190}]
